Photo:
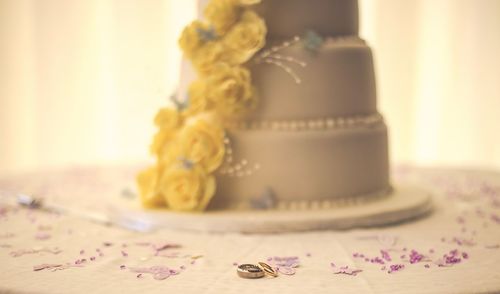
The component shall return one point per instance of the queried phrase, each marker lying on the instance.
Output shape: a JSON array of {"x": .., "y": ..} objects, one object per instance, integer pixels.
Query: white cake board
[{"x": 405, "y": 203}]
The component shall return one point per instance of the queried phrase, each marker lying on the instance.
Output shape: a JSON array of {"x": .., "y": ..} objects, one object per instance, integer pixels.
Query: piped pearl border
[
  {"x": 347, "y": 122},
  {"x": 325, "y": 204},
  {"x": 297, "y": 205}
]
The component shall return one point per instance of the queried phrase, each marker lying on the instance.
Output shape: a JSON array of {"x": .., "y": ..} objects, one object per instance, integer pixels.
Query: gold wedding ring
[
  {"x": 268, "y": 269},
  {"x": 250, "y": 271}
]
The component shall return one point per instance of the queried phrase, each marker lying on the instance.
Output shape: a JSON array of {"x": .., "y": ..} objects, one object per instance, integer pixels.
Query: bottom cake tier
[{"x": 311, "y": 167}]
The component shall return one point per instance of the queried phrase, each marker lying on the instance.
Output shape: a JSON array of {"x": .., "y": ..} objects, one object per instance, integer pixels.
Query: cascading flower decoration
[{"x": 189, "y": 144}]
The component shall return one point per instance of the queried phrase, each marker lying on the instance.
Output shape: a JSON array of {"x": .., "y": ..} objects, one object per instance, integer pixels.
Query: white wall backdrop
[{"x": 80, "y": 80}]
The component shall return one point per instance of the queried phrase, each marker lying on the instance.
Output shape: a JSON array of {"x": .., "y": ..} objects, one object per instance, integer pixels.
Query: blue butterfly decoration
[
  {"x": 267, "y": 200},
  {"x": 207, "y": 34},
  {"x": 312, "y": 41}
]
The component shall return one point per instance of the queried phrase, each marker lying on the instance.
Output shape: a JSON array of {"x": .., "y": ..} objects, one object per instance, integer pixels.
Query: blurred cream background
[{"x": 80, "y": 80}]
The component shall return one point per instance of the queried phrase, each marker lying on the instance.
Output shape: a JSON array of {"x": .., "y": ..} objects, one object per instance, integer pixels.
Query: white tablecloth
[{"x": 73, "y": 255}]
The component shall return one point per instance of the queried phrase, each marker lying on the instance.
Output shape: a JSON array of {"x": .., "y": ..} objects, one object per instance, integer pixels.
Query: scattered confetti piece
[
  {"x": 42, "y": 236},
  {"x": 396, "y": 268},
  {"x": 416, "y": 257},
  {"x": 158, "y": 248},
  {"x": 54, "y": 267},
  {"x": 22, "y": 252},
  {"x": 463, "y": 241},
  {"x": 46, "y": 266},
  {"x": 451, "y": 258},
  {"x": 284, "y": 265},
  {"x": 345, "y": 270},
  {"x": 385, "y": 255},
  {"x": 158, "y": 272}
]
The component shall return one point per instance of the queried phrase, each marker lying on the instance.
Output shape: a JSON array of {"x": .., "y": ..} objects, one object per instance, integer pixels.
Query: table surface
[{"x": 456, "y": 249}]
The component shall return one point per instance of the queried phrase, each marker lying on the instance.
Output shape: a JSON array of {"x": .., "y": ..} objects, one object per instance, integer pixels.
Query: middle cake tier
[
  {"x": 309, "y": 165},
  {"x": 336, "y": 79}
]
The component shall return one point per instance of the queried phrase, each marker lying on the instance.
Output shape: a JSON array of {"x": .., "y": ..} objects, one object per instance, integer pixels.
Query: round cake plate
[{"x": 405, "y": 203}]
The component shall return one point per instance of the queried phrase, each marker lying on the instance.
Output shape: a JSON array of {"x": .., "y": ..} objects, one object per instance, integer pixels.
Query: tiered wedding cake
[
  {"x": 316, "y": 135},
  {"x": 276, "y": 112}
]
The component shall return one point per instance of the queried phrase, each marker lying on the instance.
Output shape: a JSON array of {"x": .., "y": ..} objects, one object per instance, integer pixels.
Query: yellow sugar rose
[
  {"x": 245, "y": 38},
  {"x": 147, "y": 182},
  {"x": 202, "y": 142},
  {"x": 207, "y": 56},
  {"x": 198, "y": 101},
  {"x": 169, "y": 121},
  {"x": 222, "y": 14},
  {"x": 248, "y": 2},
  {"x": 191, "y": 40},
  {"x": 230, "y": 90},
  {"x": 160, "y": 139},
  {"x": 187, "y": 188}
]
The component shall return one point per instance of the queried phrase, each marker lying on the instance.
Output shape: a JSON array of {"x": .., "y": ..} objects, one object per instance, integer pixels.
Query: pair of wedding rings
[{"x": 256, "y": 271}]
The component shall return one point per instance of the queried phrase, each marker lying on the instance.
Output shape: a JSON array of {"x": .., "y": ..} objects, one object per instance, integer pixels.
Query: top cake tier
[{"x": 288, "y": 18}]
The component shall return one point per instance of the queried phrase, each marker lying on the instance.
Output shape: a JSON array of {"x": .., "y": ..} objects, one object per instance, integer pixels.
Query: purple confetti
[
  {"x": 377, "y": 260},
  {"x": 416, "y": 257},
  {"x": 452, "y": 258},
  {"x": 396, "y": 268}
]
